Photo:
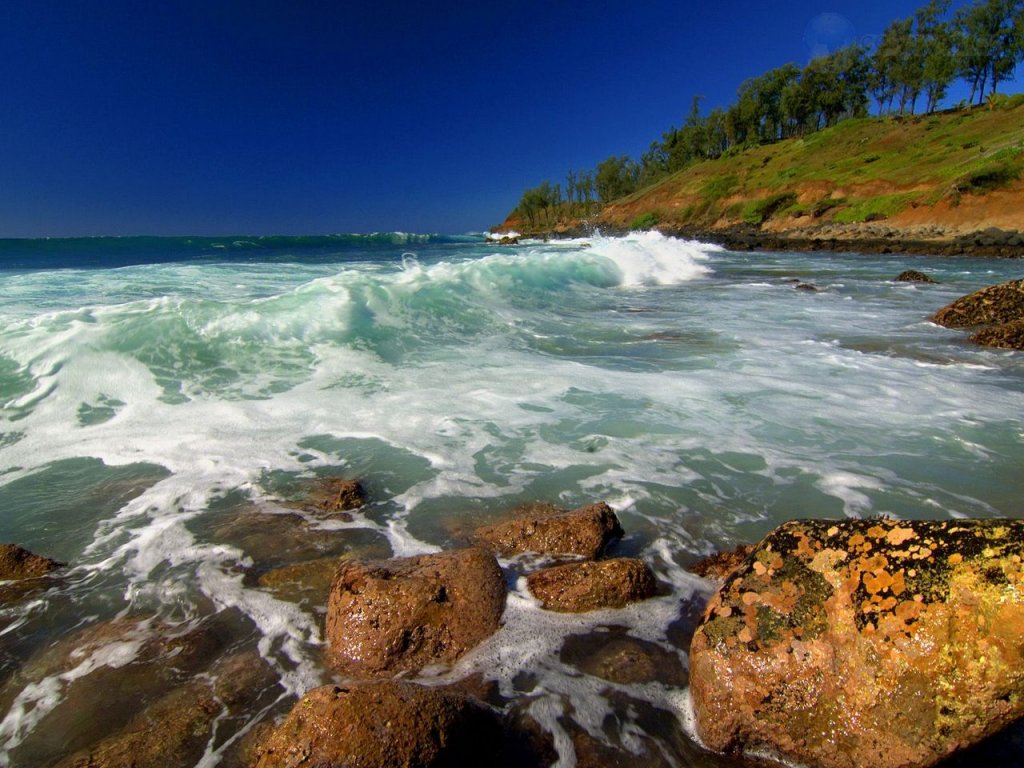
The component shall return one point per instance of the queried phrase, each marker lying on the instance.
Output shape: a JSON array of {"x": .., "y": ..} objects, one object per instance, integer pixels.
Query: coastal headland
[{"x": 948, "y": 183}]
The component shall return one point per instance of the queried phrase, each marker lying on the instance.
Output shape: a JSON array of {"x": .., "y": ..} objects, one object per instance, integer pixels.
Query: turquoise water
[{"x": 159, "y": 395}]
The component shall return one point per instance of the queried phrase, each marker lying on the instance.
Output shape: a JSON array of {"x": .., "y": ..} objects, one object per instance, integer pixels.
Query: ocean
[{"x": 166, "y": 400}]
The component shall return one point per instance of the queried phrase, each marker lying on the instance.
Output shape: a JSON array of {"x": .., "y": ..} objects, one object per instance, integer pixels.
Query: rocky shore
[
  {"x": 832, "y": 644},
  {"x": 871, "y": 238}
]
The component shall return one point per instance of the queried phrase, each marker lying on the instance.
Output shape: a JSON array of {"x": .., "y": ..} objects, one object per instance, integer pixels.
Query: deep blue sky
[{"x": 266, "y": 116}]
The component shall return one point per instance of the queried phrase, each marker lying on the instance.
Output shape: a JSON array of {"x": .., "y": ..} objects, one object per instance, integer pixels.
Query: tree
[
  {"x": 987, "y": 44},
  {"x": 616, "y": 177},
  {"x": 935, "y": 40}
]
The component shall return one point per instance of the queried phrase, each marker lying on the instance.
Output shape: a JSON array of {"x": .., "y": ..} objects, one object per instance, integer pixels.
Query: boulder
[
  {"x": 913, "y": 276},
  {"x": 997, "y": 304},
  {"x": 1003, "y": 336},
  {"x": 384, "y": 725},
  {"x": 548, "y": 530},
  {"x": 398, "y": 615},
  {"x": 865, "y": 642},
  {"x": 718, "y": 566},
  {"x": 589, "y": 586},
  {"x": 17, "y": 563}
]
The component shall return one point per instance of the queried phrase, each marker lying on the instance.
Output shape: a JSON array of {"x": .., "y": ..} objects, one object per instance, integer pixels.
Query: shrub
[
  {"x": 759, "y": 211},
  {"x": 644, "y": 221}
]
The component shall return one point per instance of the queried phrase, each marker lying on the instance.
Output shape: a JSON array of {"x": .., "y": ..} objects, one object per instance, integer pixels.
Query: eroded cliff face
[{"x": 874, "y": 642}]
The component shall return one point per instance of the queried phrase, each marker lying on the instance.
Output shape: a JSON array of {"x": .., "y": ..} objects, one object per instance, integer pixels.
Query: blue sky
[{"x": 273, "y": 117}]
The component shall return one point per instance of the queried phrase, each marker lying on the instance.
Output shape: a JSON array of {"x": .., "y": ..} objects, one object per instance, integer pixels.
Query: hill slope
[{"x": 926, "y": 178}]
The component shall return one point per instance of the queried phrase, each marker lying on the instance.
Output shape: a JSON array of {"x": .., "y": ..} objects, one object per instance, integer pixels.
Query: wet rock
[
  {"x": 546, "y": 529},
  {"x": 588, "y": 585},
  {"x": 718, "y": 566},
  {"x": 913, "y": 276},
  {"x": 275, "y": 539},
  {"x": 17, "y": 564},
  {"x": 174, "y": 731},
  {"x": 616, "y": 656},
  {"x": 868, "y": 642},
  {"x": 1003, "y": 336},
  {"x": 806, "y": 287},
  {"x": 997, "y": 304},
  {"x": 397, "y": 615},
  {"x": 139, "y": 659},
  {"x": 334, "y": 496},
  {"x": 384, "y": 725}
]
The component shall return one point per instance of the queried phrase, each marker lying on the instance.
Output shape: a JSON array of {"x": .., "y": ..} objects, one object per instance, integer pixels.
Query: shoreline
[{"x": 987, "y": 243}]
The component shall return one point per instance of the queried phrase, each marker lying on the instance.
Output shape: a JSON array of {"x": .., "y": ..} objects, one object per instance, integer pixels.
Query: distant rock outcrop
[
  {"x": 1003, "y": 336},
  {"x": 913, "y": 276},
  {"x": 399, "y": 615},
  {"x": 589, "y": 585},
  {"x": 548, "y": 530},
  {"x": 1000, "y": 308},
  {"x": 869, "y": 642},
  {"x": 996, "y": 304}
]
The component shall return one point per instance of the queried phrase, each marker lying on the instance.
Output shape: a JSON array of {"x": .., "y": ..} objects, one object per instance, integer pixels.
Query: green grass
[
  {"x": 863, "y": 169},
  {"x": 874, "y": 208}
]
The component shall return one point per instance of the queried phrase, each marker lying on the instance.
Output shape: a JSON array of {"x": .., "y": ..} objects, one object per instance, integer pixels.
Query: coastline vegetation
[{"x": 913, "y": 66}]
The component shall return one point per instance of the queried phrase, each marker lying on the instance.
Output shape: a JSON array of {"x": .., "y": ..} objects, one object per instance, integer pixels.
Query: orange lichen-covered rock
[
  {"x": 868, "y": 642},
  {"x": 398, "y": 615}
]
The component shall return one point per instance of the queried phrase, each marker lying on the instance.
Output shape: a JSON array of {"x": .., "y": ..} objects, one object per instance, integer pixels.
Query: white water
[{"x": 693, "y": 389}]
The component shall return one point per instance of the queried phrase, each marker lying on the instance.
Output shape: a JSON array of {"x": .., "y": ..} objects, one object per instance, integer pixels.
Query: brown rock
[
  {"x": 588, "y": 586},
  {"x": 384, "y": 725},
  {"x": 913, "y": 276},
  {"x": 1003, "y": 336},
  {"x": 139, "y": 659},
  {"x": 397, "y": 615},
  {"x": 996, "y": 304},
  {"x": 17, "y": 563},
  {"x": 334, "y": 496},
  {"x": 868, "y": 642},
  {"x": 173, "y": 732},
  {"x": 717, "y": 567},
  {"x": 552, "y": 531}
]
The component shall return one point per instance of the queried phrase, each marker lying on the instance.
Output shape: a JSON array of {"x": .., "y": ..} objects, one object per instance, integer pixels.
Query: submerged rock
[
  {"x": 589, "y": 586},
  {"x": 136, "y": 659},
  {"x": 995, "y": 305},
  {"x": 869, "y": 642},
  {"x": 618, "y": 657},
  {"x": 334, "y": 496},
  {"x": 174, "y": 731},
  {"x": 397, "y": 615},
  {"x": 913, "y": 276},
  {"x": 17, "y": 563},
  {"x": 548, "y": 530},
  {"x": 384, "y": 725}
]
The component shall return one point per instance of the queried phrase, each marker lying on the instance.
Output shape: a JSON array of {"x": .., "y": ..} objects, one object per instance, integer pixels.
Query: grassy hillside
[{"x": 942, "y": 174}]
